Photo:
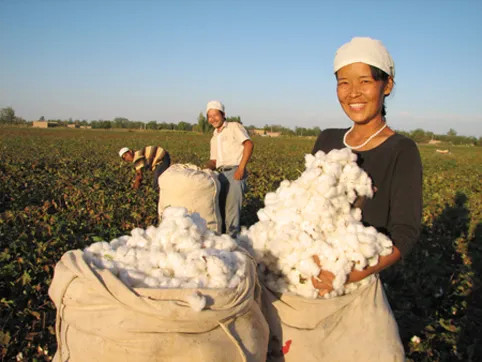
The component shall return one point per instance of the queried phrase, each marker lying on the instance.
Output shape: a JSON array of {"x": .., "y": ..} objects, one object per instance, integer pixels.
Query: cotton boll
[
  {"x": 367, "y": 250},
  {"x": 184, "y": 223},
  {"x": 128, "y": 259},
  {"x": 151, "y": 233},
  {"x": 102, "y": 263},
  {"x": 174, "y": 212},
  {"x": 131, "y": 277},
  {"x": 132, "y": 242},
  {"x": 356, "y": 214},
  {"x": 285, "y": 183},
  {"x": 186, "y": 244},
  {"x": 306, "y": 290},
  {"x": 384, "y": 240},
  {"x": 209, "y": 242},
  {"x": 351, "y": 196},
  {"x": 150, "y": 282},
  {"x": 156, "y": 273},
  {"x": 350, "y": 241},
  {"x": 88, "y": 255},
  {"x": 174, "y": 283},
  {"x": 309, "y": 160},
  {"x": 154, "y": 257},
  {"x": 137, "y": 232},
  {"x": 216, "y": 267},
  {"x": 175, "y": 260},
  {"x": 123, "y": 239},
  {"x": 330, "y": 193},
  {"x": 234, "y": 282},
  {"x": 373, "y": 260},
  {"x": 308, "y": 267},
  {"x": 196, "y": 301},
  {"x": 386, "y": 251},
  {"x": 262, "y": 215},
  {"x": 115, "y": 243},
  {"x": 95, "y": 248},
  {"x": 351, "y": 171},
  {"x": 225, "y": 242},
  {"x": 333, "y": 169},
  {"x": 270, "y": 198},
  {"x": 191, "y": 269},
  {"x": 199, "y": 222}
]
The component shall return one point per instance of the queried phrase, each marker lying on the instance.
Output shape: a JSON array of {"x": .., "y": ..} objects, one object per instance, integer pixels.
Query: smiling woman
[{"x": 365, "y": 73}]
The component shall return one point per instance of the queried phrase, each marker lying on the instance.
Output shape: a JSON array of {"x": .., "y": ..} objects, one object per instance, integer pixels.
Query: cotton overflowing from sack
[
  {"x": 354, "y": 327},
  {"x": 179, "y": 253},
  {"x": 316, "y": 215},
  {"x": 124, "y": 306},
  {"x": 186, "y": 185}
]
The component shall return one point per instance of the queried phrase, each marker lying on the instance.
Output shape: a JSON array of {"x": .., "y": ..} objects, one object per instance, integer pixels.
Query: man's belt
[{"x": 225, "y": 168}]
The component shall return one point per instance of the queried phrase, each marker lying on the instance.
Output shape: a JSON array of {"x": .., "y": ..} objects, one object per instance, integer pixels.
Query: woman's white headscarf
[{"x": 365, "y": 50}]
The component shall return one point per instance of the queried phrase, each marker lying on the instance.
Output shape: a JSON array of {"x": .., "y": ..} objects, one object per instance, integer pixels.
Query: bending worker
[
  {"x": 154, "y": 158},
  {"x": 231, "y": 149}
]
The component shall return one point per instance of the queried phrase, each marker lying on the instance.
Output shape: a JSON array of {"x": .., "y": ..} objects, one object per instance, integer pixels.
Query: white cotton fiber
[
  {"x": 180, "y": 253},
  {"x": 197, "y": 301},
  {"x": 314, "y": 215}
]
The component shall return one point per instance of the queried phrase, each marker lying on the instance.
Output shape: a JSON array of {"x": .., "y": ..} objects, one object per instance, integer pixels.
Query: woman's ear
[{"x": 388, "y": 86}]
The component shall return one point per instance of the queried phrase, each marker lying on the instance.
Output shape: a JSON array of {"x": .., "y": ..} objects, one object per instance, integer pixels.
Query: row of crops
[{"x": 64, "y": 189}]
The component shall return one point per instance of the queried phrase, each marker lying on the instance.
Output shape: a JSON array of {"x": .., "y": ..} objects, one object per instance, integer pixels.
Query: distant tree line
[
  {"x": 421, "y": 136},
  {"x": 7, "y": 116}
]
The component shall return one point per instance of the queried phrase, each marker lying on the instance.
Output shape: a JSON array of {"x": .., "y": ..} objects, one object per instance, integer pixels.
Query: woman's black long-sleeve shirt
[{"x": 396, "y": 171}]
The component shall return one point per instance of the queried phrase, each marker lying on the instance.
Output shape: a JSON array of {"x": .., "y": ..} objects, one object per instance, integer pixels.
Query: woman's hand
[{"x": 324, "y": 281}]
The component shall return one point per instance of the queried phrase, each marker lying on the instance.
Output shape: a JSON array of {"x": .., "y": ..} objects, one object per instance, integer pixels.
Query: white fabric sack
[
  {"x": 186, "y": 185},
  {"x": 355, "y": 327},
  {"x": 100, "y": 319}
]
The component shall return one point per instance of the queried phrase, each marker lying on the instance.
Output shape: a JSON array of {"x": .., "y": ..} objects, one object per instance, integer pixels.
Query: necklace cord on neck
[{"x": 364, "y": 143}]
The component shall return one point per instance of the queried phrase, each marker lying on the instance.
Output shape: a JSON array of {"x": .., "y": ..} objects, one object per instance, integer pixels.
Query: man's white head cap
[
  {"x": 364, "y": 50},
  {"x": 123, "y": 150},
  {"x": 215, "y": 105}
]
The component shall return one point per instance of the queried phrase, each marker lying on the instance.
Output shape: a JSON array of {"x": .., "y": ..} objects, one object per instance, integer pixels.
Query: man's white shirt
[{"x": 227, "y": 144}]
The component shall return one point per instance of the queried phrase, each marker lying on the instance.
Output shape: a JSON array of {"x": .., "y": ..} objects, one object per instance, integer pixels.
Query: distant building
[
  {"x": 73, "y": 126},
  {"x": 257, "y": 132},
  {"x": 434, "y": 142},
  {"x": 264, "y": 133},
  {"x": 44, "y": 124}
]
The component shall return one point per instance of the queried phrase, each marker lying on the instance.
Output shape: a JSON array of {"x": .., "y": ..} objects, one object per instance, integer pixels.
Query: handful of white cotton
[
  {"x": 180, "y": 253},
  {"x": 314, "y": 215}
]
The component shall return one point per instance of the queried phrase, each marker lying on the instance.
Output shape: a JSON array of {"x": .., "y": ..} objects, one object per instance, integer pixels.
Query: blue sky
[{"x": 270, "y": 62}]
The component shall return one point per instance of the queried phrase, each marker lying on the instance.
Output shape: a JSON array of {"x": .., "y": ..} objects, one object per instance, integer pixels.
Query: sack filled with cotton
[
  {"x": 161, "y": 293},
  {"x": 315, "y": 215},
  {"x": 186, "y": 185}
]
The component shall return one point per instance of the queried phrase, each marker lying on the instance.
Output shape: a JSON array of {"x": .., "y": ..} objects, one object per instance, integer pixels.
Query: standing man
[
  {"x": 231, "y": 149},
  {"x": 153, "y": 158}
]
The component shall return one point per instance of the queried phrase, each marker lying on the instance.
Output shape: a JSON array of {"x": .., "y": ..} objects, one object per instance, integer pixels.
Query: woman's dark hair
[{"x": 379, "y": 74}]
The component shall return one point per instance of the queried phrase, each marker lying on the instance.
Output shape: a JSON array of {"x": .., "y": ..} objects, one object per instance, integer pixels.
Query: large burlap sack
[
  {"x": 356, "y": 327},
  {"x": 186, "y": 185},
  {"x": 100, "y": 319}
]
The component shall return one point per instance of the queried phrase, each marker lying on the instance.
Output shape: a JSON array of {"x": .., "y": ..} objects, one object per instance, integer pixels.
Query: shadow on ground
[{"x": 435, "y": 292}]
